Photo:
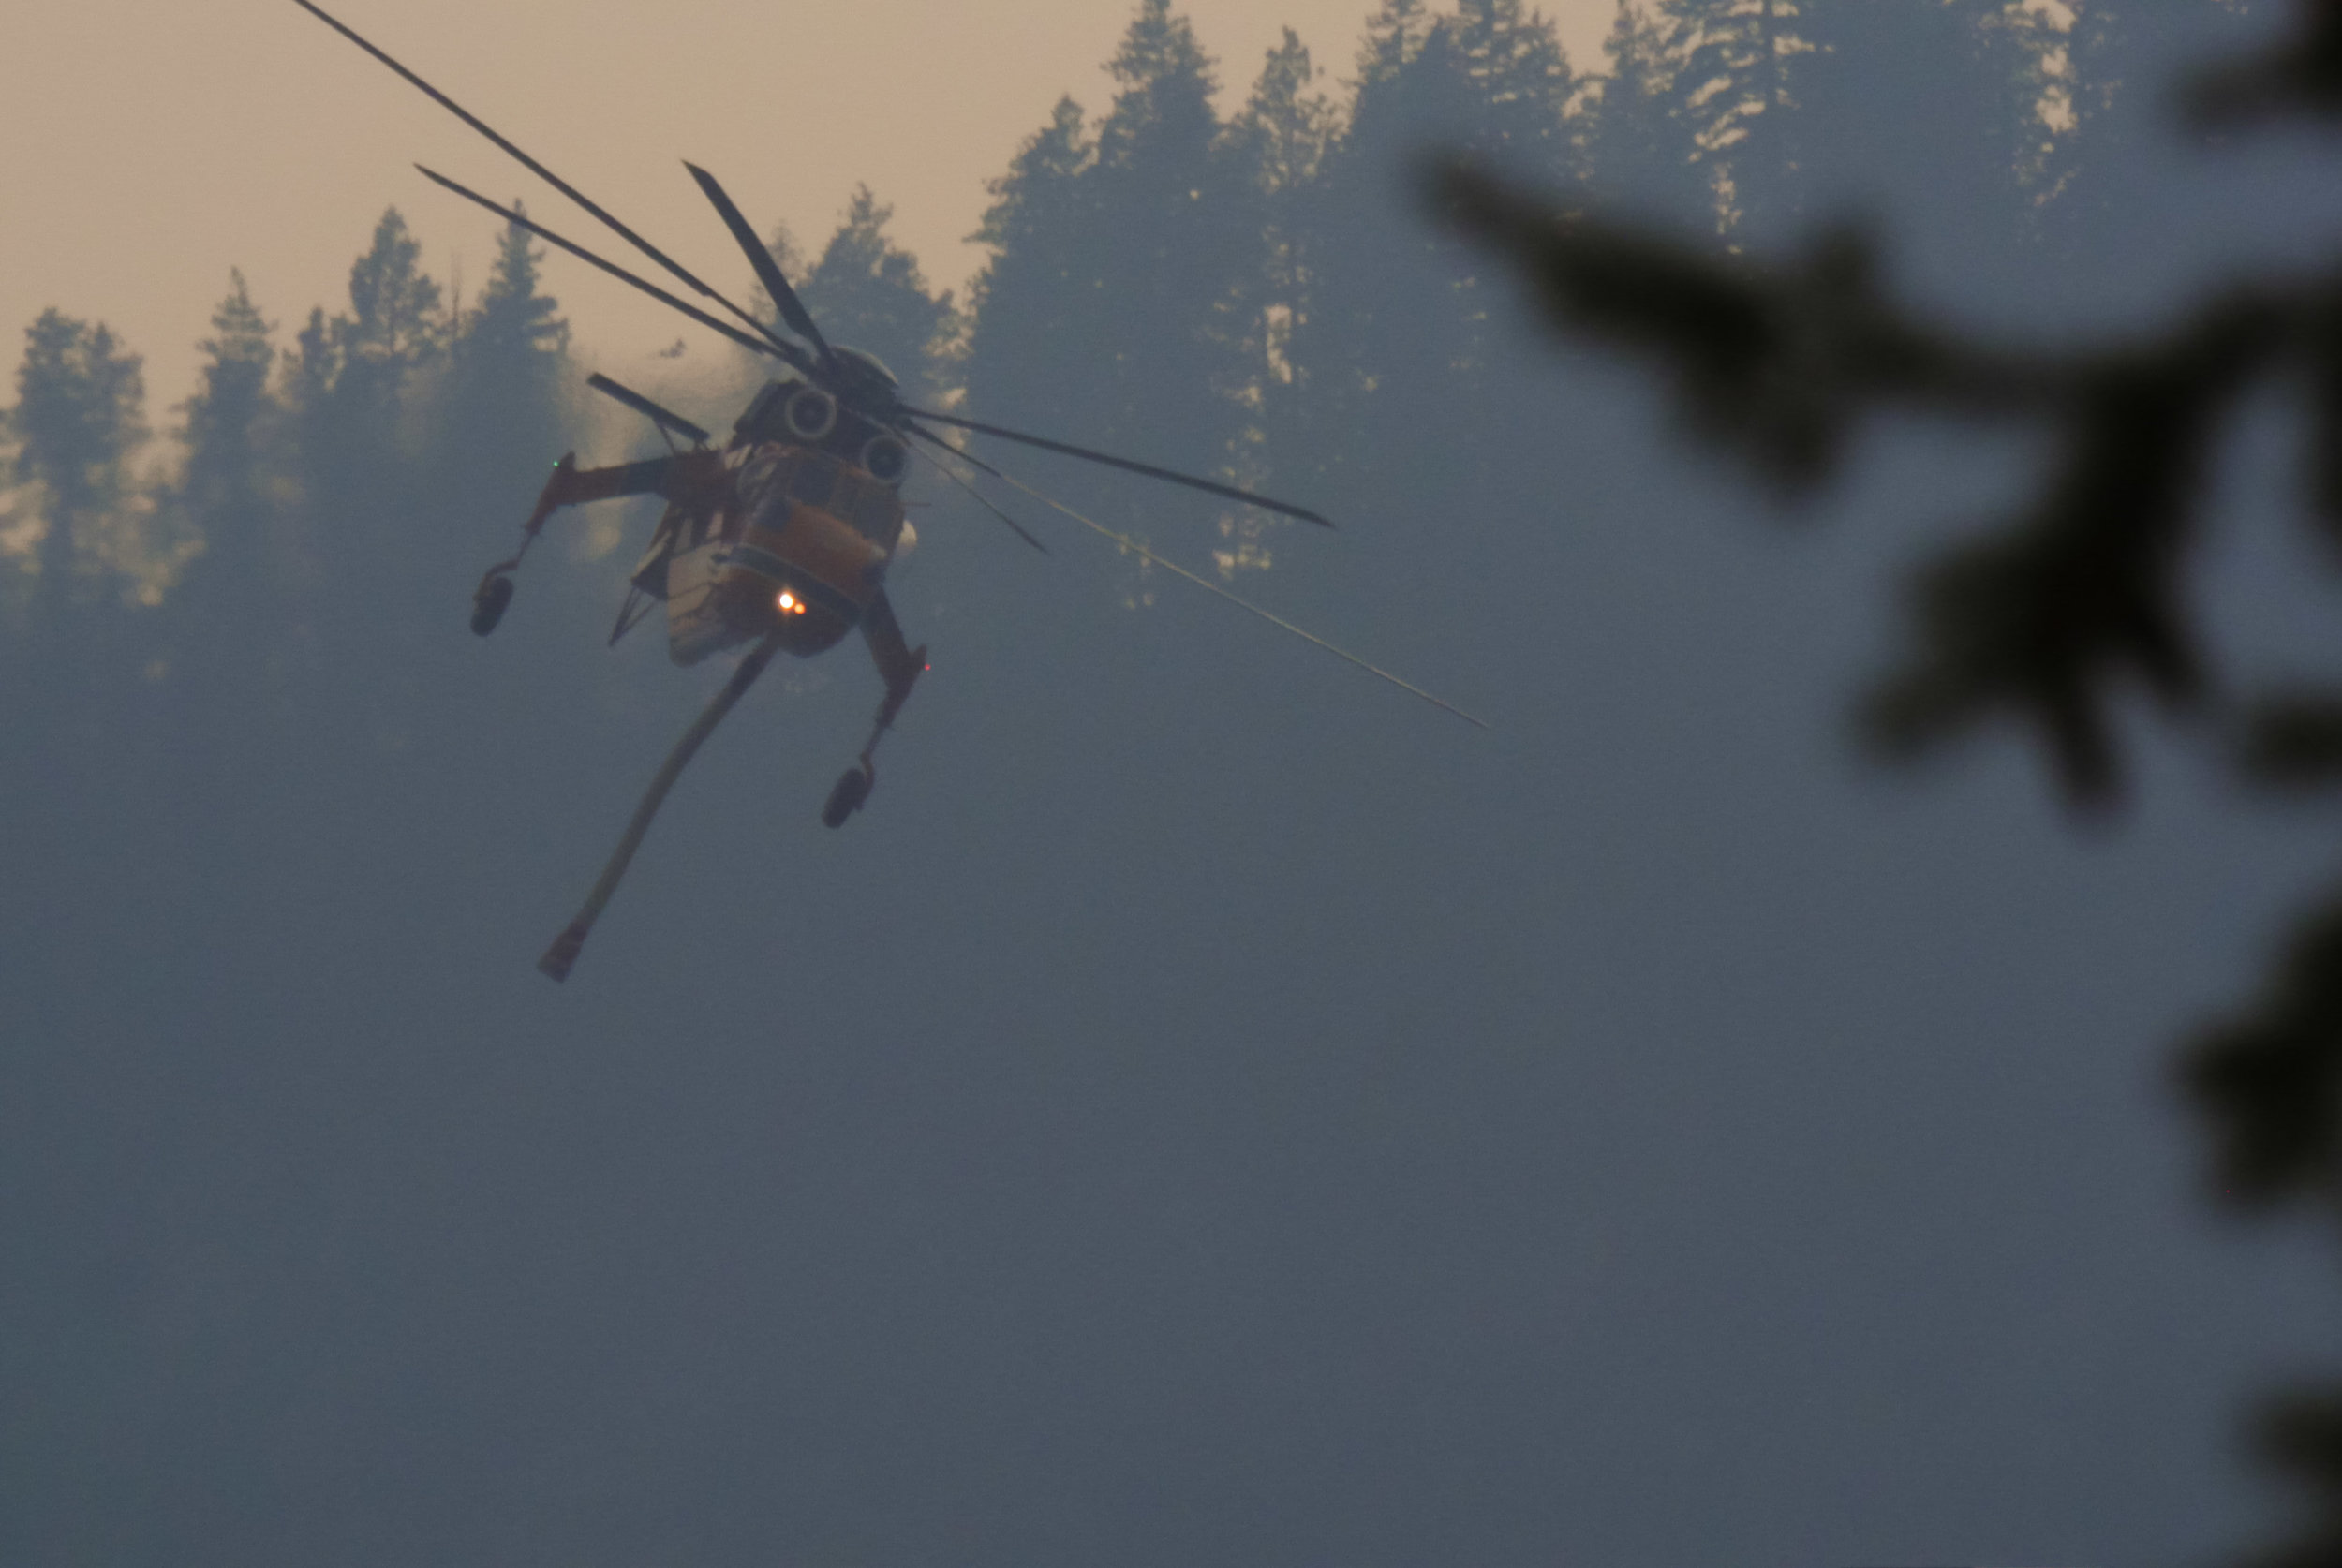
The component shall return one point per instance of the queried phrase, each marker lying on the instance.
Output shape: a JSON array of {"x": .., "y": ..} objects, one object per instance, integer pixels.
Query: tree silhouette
[
  {"x": 357, "y": 387},
  {"x": 1038, "y": 288},
  {"x": 1278, "y": 144},
  {"x": 1732, "y": 64},
  {"x": 1167, "y": 200},
  {"x": 350, "y": 380},
  {"x": 80, "y": 417},
  {"x": 1943, "y": 98},
  {"x": 1521, "y": 87},
  {"x": 397, "y": 325},
  {"x": 516, "y": 328},
  {"x": 223, "y": 421},
  {"x": 232, "y": 429},
  {"x": 867, "y": 292},
  {"x": 1641, "y": 151},
  {"x": 1396, "y": 339},
  {"x": 503, "y": 408}
]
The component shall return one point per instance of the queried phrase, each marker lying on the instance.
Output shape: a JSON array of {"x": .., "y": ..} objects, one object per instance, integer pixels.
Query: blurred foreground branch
[
  {"x": 2047, "y": 618},
  {"x": 2078, "y": 597}
]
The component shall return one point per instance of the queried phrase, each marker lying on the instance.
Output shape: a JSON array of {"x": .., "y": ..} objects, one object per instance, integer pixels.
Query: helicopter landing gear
[
  {"x": 493, "y": 597},
  {"x": 900, "y": 667},
  {"x": 490, "y": 600},
  {"x": 846, "y": 797}
]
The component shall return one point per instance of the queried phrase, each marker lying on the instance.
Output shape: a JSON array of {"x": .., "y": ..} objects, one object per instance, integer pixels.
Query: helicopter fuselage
[{"x": 795, "y": 547}]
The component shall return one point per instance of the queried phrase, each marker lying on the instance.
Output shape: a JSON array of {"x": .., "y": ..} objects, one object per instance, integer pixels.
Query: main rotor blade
[
  {"x": 1207, "y": 584},
  {"x": 644, "y": 406},
  {"x": 672, "y": 266},
  {"x": 961, "y": 480},
  {"x": 968, "y": 457},
  {"x": 514, "y": 215},
  {"x": 1209, "y": 486},
  {"x": 768, "y": 271}
]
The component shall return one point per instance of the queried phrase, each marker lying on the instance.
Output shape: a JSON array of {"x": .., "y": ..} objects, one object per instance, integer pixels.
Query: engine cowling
[
  {"x": 811, "y": 414},
  {"x": 886, "y": 458}
]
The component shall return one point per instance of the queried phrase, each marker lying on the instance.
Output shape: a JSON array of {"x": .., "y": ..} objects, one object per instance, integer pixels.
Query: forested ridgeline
[{"x": 1251, "y": 295}]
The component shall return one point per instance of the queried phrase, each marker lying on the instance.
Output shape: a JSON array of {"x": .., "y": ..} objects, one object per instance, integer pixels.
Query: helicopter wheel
[
  {"x": 847, "y": 796},
  {"x": 489, "y": 602}
]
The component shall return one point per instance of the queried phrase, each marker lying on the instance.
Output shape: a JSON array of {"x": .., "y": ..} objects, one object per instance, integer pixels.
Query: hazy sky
[
  {"x": 1212, "y": 1109},
  {"x": 153, "y": 147}
]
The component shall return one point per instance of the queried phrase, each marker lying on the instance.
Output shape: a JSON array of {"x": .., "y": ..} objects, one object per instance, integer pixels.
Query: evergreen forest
[{"x": 1209, "y": 1108}]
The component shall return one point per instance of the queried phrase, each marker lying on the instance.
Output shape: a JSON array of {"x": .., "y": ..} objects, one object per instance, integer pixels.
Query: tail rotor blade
[
  {"x": 768, "y": 272},
  {"x": 1211, "y": 487}
]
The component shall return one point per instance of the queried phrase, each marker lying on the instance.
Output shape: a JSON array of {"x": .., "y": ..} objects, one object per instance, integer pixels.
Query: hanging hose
[{"x": 565, "y": 947}]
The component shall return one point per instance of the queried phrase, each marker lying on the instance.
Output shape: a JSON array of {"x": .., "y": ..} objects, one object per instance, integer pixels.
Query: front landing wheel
[{"x": 847, "y": 796}]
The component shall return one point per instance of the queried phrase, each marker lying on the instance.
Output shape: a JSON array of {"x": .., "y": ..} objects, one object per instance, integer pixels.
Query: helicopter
[{"x": 780, "y": 538}]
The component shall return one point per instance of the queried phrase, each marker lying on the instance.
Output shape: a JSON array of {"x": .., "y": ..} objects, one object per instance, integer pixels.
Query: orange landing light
[{"x": 789, "y": 604}]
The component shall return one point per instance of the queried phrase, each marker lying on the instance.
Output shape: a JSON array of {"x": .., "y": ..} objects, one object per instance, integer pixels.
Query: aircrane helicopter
[{"x": 780, "y": 538}]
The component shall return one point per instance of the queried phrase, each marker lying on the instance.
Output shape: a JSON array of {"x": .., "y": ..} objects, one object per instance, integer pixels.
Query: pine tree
[
  {"x": 224, "y": 420},
  {"x": 396, "y": 326},
  {"x": 1413, "y": 89},
  {"x": 20, "y": 528},
  {"x": 225, "y": 490},
  {"x": 1163, "y": 112},
  {"x": 507, "y": 356},
  {"x": 867, "y": 292},
  {"x": 515, "y": 324},
  {"x": 782, "y": 243},
  {"x": 500, "y": 414},
  {"x": 1036, "y": 297},
  {"x": 1173, "y": 254},
  {"x": 362, "y": 421},
  {"x": 1382, "y": 310},
  {"x": 351, "y": 378},
  {"x": 313, "y": 367},
  {"x": 1278, "y": 143},
  {"x": 1640, "y": 155},
  {"x": 1521, "y": 87},
  {"x": 1285, "y": 128},
  {"x": 2102, "y": 182},
  {"x": 1393, "y": 345},
  {"x": 1936, "y": 102},
  {"x": 1394, "y": 37},
  {"x": 80, "y": 418},
  {"x": 1732, "y": 91}
]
